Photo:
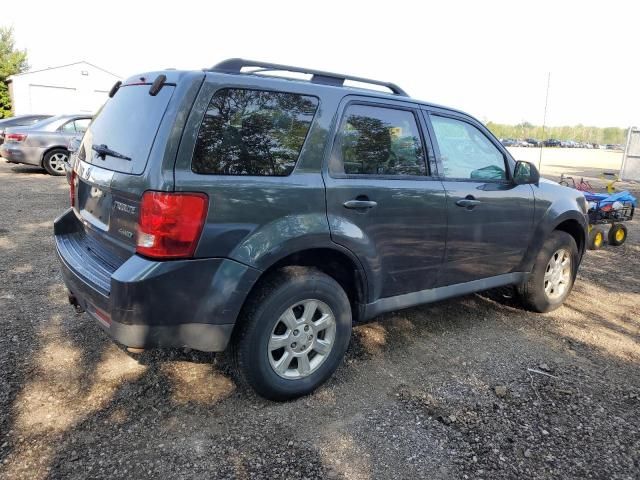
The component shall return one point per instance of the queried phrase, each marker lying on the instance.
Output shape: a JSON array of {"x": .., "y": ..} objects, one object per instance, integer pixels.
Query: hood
[{"x": 547, "y": 181}]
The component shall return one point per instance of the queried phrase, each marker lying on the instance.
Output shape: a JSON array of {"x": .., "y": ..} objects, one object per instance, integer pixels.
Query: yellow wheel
[
  {"x": 617, "y": 234},
  {"x": 596, "y": 238}
]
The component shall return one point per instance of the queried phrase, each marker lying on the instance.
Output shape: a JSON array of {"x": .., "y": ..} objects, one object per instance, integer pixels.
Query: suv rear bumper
[{"x": 144, "y": 303}]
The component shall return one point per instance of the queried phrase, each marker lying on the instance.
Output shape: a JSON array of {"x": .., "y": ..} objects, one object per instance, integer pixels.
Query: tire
[
  {"x": 255, "y": 357},
  {"x": 53, "y": 161},
  {"x": 617, "y": 234},
  {"x": 596, "y": 238},
  {"x": 534, "y": 293}
]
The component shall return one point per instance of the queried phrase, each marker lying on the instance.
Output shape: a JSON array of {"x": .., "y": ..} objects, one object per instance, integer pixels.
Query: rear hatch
[{"x": 125, "y": 152}]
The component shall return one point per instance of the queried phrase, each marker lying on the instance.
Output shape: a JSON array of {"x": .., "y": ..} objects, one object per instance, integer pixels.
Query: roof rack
[{"x": 235, "y": 65}]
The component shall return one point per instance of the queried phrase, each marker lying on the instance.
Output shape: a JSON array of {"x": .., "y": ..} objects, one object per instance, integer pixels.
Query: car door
[
  {"x": 490, "y": 218},
  {"x": 382, "y": 201}
]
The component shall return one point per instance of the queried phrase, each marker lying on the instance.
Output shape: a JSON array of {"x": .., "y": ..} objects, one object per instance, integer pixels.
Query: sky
[{"x": 489, "y": 58}]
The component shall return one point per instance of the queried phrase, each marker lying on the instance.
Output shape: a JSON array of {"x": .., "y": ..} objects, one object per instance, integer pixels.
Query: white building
[{"x": 75, "y": 88}]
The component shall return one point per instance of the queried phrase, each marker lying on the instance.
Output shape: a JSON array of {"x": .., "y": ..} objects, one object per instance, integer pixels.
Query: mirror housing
[{"x": 525, "y": 173}]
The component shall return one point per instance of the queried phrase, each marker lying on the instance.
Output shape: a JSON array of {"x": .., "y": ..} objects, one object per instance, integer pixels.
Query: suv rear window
[
  {"x": 253, "y": 132},
  {"x": 127, "y": 124}
]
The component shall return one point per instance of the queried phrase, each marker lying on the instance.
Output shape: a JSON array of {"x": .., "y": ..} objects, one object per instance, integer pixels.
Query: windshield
[{"x": 126, "y": 124}]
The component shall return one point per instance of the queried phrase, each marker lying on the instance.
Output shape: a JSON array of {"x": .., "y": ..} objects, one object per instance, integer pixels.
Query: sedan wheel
[{"x": 55, "y": 162}]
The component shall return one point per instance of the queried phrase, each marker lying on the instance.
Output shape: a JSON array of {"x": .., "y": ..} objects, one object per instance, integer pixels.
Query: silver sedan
[{"x": 45, "y": 143}]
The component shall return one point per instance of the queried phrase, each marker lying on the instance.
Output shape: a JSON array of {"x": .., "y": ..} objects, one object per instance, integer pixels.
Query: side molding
[{"x": 399, "y": 302}]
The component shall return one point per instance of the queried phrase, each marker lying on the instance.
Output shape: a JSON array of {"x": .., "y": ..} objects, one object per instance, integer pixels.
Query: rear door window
[
  {"x": 253, "y": 132},
  {"x": 379, "y": 141},
  {"x": 82, "y": 124},
  {"x": 68, "y": 127},
  {"x": 127, "y": 124}
]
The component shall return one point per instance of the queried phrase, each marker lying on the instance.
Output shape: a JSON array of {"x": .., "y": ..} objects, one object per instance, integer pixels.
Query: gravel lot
[{"x": 440, "y": 391}]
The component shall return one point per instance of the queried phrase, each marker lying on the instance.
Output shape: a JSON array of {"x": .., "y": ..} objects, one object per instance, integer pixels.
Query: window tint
[
  {"x": 253, "y": 132},
  {"x": 466, "y": 152},
  {"x": 82, "y": 124},
  {"x": 379, "y": 141},
  {"x": 128, "y": 124}
]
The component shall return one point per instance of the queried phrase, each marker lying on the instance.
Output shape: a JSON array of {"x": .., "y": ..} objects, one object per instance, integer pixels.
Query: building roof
[{"x": 63, "y": 66}]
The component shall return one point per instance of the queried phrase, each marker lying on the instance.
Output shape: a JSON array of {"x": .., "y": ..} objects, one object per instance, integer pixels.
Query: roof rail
[{"x": 235, "y": 65}]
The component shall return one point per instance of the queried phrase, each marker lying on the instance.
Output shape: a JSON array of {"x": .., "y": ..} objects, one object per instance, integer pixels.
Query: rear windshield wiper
[{"x": 103, "y": 151}]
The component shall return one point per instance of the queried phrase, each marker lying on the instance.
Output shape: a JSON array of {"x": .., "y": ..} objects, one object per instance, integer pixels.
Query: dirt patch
[{"x": 468, "y": 388}]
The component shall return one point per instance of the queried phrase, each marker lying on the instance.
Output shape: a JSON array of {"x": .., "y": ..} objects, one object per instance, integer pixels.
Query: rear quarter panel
[{"x": 258, "y": 220}]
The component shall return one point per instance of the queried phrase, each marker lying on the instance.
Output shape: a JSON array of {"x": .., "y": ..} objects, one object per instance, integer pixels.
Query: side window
[
  {"x": 466, "y": 152},
  {"x": 82, "y": 124},
  {"x": 379, "y": 141},
  {"x": 68, "y": 127},
  {"x": 253, "y": 132}
]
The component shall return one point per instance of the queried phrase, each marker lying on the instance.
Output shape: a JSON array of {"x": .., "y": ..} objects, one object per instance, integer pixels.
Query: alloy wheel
[
  {"x": 302, "y": 339},
  {"x": 557, "y": 276}
]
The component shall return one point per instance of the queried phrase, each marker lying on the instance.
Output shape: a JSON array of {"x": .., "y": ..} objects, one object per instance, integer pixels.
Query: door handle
[
  {"x": 469, "y": 202},
  {"x": 357, "y": 204}
]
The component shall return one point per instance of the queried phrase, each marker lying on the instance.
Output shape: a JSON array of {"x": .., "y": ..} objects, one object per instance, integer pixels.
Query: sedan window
[
  {"x": 82, "y": 124},
  {"x": 68, "y": 127}
]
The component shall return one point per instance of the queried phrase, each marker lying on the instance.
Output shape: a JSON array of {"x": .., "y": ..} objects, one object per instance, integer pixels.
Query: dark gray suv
[{"x": 226, "y": 207}]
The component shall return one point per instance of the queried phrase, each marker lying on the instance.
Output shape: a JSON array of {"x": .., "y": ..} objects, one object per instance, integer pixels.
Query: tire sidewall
[
  {"x": 255, "y": 346},
  {"x": 556, "y": 241}
]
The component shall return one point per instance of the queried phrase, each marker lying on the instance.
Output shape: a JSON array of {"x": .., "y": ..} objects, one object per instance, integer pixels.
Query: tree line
[
  {"x": 578, "y": 133},
  {"x": 12, "y": 61}
]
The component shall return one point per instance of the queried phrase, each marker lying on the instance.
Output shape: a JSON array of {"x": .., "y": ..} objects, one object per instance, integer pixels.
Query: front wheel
[
  {"x": 553, "y": 274},
  {"x": 54, "y": 162},
  {"x": 293, "y": 333}
]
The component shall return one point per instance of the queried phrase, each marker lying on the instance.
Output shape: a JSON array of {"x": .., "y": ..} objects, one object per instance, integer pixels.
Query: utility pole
[{"x": 544, "y": 120}]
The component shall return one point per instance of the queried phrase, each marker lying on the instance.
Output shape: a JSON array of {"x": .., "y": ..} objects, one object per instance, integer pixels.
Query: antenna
[{"x": 544, "y": 120}]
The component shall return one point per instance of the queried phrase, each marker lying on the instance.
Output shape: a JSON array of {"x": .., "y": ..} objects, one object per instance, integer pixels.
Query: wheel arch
[
  {"x": 571, "y": 221},
  {"x": 576, "y": 230},
  {"x": 338, "y": 263}
]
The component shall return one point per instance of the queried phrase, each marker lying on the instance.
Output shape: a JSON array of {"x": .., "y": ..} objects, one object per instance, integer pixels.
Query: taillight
[
  {"x": 170, "y": 224},
  {"x": 15, "y": 137},
  {"x": 72, "y": 187}
]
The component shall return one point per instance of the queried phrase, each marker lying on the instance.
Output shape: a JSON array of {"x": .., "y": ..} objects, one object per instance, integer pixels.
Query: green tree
[
  {"x": 12, "y": 61},
  {"x": 578, "y": 132}
]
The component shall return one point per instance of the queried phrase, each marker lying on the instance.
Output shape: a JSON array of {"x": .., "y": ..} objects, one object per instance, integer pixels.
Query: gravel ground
[{"x": 440, "y": 391}]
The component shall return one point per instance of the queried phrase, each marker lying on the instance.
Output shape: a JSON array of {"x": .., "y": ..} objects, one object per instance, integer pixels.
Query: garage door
[{"x": 52, "y": 100}]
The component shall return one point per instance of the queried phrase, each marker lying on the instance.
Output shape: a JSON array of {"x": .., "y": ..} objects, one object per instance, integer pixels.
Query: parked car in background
[
  {"x": 508, "y": 142},
  {"x": 552, "y": 142},
  {"x": 45, "y": 143},
  {"x": 532, "y": 142},
  {"x": 269, "y": 214},
  {"x": 19, "y": 121}
]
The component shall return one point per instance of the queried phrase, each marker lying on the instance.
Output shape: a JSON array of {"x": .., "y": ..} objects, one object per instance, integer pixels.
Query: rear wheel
[
  {"x": 596, "y": 238},
  {"x": 54, "y": 161},
  {"x": 292, "y": 334},
  {"x": 617, "y": 234},
  {"x": 553, "y": 274}
]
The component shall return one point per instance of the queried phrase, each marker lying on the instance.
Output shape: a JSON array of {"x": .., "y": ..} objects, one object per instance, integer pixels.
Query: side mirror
[{"x": 525, "y": 173}]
